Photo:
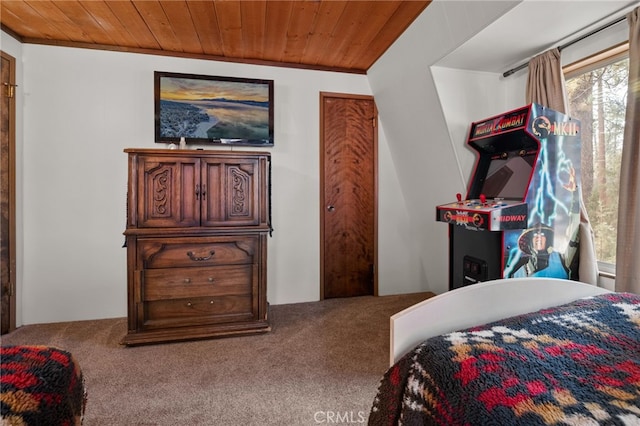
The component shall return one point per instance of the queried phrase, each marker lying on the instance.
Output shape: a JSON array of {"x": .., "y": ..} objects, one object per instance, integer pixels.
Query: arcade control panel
[{"x": 494, "y": 215}]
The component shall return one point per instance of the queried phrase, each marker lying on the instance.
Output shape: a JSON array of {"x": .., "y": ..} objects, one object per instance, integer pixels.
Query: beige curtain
[
  {"x": 546, "y": 86},
  {"x": 628, "y": 248}
]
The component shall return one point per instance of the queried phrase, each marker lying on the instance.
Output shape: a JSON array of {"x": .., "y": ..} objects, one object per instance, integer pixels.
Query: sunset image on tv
[{"x": 214, "y": 109}]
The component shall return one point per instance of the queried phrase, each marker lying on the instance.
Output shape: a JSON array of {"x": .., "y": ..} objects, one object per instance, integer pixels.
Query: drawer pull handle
[
  {"x": 195, "y": 258},
  {"x": 201, "y": 191},
  {"x": 187, "y": 280},
  {"x": 211, "y": 279},
  {"x": 189, "y": 304}
]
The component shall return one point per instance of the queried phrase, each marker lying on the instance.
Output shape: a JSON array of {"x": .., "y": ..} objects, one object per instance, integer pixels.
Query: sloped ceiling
[
  {"x": 530, "y": 28},
  {"x": 347, "y": 36}
]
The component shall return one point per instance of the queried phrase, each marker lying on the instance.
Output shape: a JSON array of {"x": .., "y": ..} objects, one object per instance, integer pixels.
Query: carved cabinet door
[
  {"x": 231, "y": 192},
  {"x": 169, "y": 192}
]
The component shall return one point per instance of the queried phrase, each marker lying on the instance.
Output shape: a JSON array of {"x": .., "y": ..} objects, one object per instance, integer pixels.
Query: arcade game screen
[{"x": 508, "y": 178}]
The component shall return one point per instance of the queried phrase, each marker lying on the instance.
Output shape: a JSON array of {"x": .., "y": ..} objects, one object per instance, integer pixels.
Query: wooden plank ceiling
[{"x": 345, "y": 36}]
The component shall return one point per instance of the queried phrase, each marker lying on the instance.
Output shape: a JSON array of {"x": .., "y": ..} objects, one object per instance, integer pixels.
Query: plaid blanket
[
  {"x": 41, "y": 385},
  {"x": 575, "y": 364}
]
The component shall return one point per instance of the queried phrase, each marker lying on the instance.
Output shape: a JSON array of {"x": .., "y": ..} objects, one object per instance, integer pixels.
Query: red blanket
[
  {"x": 41, "y": 385},
  {"x": 575, "y": 364}
]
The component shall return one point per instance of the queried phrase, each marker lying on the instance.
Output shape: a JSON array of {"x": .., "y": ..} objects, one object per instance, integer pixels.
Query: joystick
[
  {"x": 483, "y": 199},
  {"x": 459, "y": 198}
]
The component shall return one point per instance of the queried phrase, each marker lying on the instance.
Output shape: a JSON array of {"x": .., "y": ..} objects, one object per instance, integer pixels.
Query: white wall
[
  {"x": 463, "y": 94},
  {"x": 431, "y": 162},
  {"x": 83, "y": 107},
  {"x": 603, "y": 40}
]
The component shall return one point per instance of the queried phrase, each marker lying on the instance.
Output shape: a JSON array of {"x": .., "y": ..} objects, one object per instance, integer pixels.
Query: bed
[{"x": 514, "y": 351}]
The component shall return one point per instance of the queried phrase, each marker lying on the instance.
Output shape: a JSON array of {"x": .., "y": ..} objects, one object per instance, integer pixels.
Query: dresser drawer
[
  {"x": 197, "y": 311},
  {"x": 197, "y": 252},
  {"x": 176, "y": 283}
]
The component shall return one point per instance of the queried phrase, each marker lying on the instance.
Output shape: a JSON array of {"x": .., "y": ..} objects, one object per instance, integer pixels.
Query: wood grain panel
[
  {"x": 179, "y": 17},
  {"x": 60, "y": 21},
  {"x": 230, "y": 24},
  {"x": 347, "y": 27},
  {"x": 302, "y": 17},
  {"x": 323, "y": 30},
  {"x": 366, "y": 24},
  {"x": 278, "y": 15},
  {"x": 26, "y": 17},
  {"x": 205, "y": 21},
  {"x": 157, "y": 21},
  {"x": 139, "y": 33},
  {"x": 397, "y": 23},
  {"x": 107, "y": 22},
  {"x": 83, "y": 19},
  {"x": 349, "y": 196},
  {"x": 253, "y": 27},
  {"x": 335, "y": 35}
]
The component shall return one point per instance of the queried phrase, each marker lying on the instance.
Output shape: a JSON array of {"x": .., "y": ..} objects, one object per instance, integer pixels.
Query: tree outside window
[{"x": 597, "y": 95}]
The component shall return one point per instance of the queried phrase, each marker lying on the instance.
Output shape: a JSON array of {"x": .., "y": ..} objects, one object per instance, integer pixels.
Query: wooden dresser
[{"x": 196, "y": 238}]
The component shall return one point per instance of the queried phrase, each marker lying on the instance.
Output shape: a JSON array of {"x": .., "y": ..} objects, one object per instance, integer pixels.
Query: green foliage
[{"x": 598, "y": 99}]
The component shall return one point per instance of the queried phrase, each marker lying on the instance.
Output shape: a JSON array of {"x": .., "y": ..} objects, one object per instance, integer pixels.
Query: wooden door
[
  {"x": 7, "y": 195},
  {"x": 169, "y": 191},
  {"x": 348, "y": 195},
  {"x": 232, "y": 192}
]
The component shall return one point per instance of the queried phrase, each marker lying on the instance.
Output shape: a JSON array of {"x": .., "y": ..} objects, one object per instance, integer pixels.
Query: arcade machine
[{"x": 521, "y": 213}]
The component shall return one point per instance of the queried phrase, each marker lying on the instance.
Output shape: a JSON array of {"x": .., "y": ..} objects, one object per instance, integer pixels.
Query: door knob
[{"x": 331, "y": 208}]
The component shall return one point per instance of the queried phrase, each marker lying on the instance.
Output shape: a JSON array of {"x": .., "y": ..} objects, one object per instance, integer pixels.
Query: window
[{"x": 597, "y": 94}]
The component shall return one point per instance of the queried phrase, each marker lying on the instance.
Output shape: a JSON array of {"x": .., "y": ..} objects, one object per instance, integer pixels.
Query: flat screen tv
[{"x": 213, "y": 110}]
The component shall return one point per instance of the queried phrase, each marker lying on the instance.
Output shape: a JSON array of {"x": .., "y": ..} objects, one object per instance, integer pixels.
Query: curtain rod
[{"x": 564, "y": 46}]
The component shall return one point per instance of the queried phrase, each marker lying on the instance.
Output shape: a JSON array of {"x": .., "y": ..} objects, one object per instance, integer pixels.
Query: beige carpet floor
[{"x": 320, "y": 364}]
